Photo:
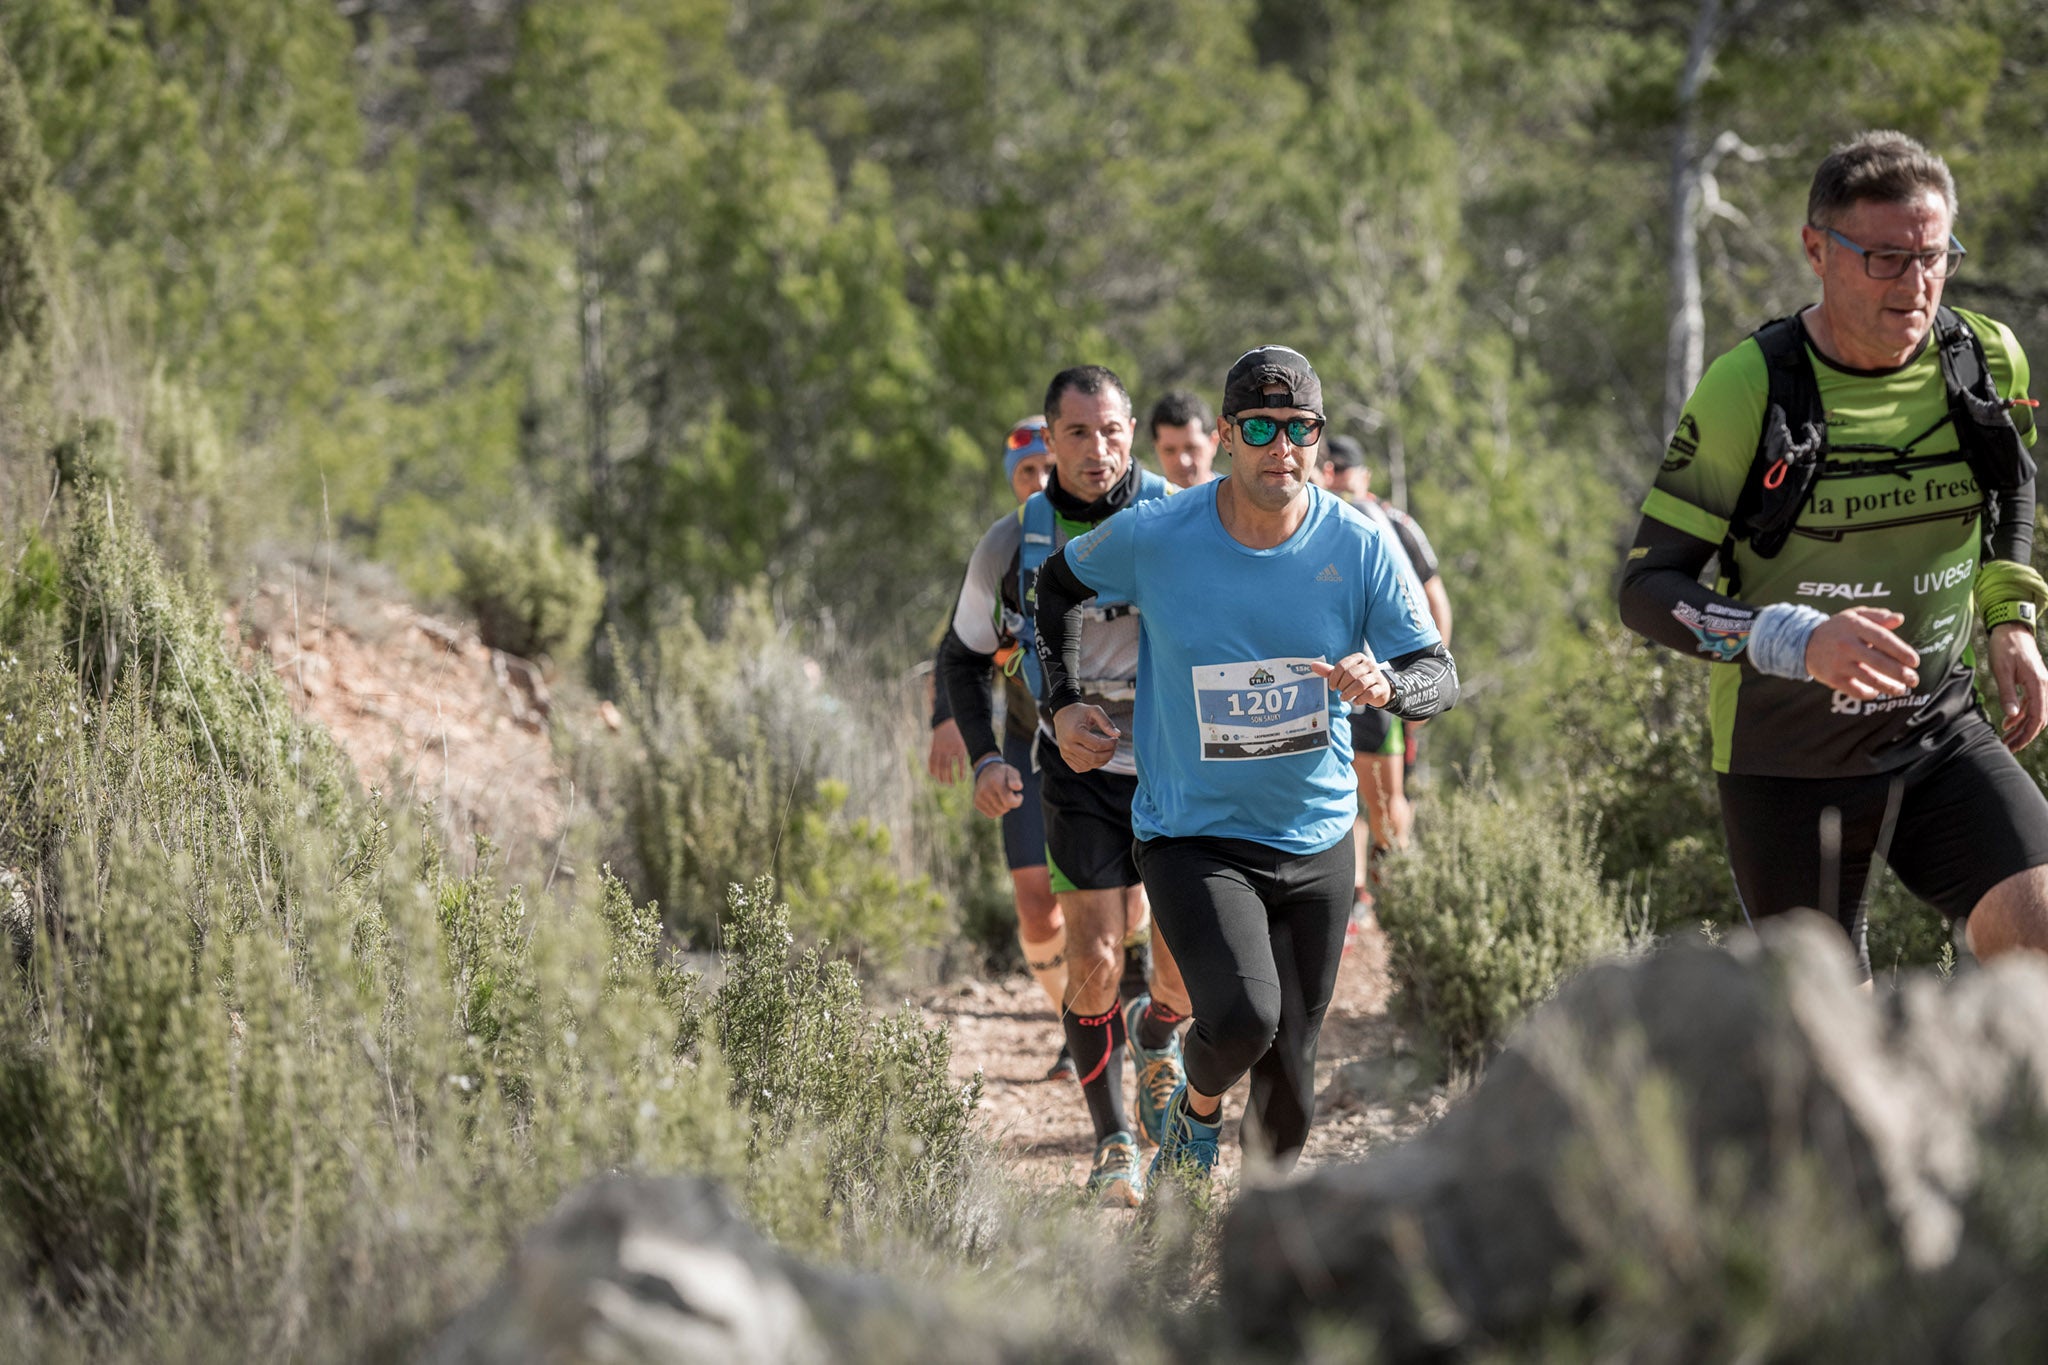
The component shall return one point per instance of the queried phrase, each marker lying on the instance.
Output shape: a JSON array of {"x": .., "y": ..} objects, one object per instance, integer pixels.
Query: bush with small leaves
[
  {"x": 746, "y": 766},
  {"x": 807, "y": 1056},
  {"x": 1638, "y": 763},
  {"x": 1498, "y": 902},
  {"x": 532, "y": 592}
]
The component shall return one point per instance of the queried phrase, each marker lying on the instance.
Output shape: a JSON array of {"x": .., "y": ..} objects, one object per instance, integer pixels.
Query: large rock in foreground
[
  {"x": 663, "y": 1271},
  {"x": 1667, "y": 1126}
]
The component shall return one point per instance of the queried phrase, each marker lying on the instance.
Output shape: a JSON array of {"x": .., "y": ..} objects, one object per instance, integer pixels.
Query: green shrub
[
  {"x": 532, "y": 593},
  {"x": 1638, "y": 762},
  {"x": 28, "y": 253},
  {"x": 1497, "y": 903},
  {"x": 806, "y": 1054},
  {"x": 129, "y": 620},
  {"x": 747, "y": 766},
  {"x": 36, "y": 595}
]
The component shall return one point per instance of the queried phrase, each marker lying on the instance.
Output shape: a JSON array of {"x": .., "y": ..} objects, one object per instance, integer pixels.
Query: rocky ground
[
  {"x": 424, "y": 709},
  {"x": 1372, "y": 1088}
]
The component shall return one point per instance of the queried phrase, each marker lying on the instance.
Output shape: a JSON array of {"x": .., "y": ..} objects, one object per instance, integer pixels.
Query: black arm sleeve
[
  {"x": 942, "y": 700},
  {"x": 1663, "y": 599},
  {"x": 964, "y": 675},
  {"x": 1425, "y": 683},
  {"x": 1060, "y": 595},
  {"x": 2013, "y": 541}
]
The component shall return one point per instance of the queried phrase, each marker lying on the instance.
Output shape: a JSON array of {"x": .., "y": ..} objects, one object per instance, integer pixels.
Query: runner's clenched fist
[{"x": 1357, "y": 678}]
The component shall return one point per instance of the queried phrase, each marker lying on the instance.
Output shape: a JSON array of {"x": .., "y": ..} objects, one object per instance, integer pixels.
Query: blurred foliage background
[{"x": 744, "y": 293}]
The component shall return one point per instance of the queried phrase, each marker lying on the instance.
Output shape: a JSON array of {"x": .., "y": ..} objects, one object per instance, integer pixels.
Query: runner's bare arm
[
  {"x": 1439, "y": 603},
  {"x": 2015, "y": 658}
]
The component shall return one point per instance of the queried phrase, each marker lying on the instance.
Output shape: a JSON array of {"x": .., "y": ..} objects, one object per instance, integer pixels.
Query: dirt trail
[{"x": 1005, "y": 1029}]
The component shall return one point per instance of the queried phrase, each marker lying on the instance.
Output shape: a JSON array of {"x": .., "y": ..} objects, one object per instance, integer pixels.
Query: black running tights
[{"x": 1258, "y": 934}]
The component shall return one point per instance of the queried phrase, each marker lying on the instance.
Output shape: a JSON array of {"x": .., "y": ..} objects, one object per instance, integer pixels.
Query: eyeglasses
[
  {"x": 1263, "y": 431},
  {"x": 1024, "y": 436},
  {"x": 1889, "y": 265}
]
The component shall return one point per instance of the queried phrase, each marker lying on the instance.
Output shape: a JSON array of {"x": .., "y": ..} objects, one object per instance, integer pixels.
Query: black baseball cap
[
  {"x": 1256, "y": 371},
  {"x": 1341, "y": 452}
]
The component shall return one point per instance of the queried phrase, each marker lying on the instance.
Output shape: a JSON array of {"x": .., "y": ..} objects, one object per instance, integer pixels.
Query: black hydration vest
[{"x": 1792, "y": 448}]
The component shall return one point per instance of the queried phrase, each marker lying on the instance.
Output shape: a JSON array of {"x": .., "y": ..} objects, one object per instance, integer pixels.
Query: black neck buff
[{"x": 1115, "y": 500}]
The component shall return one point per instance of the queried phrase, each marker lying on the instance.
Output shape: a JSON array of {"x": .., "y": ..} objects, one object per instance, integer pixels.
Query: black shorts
[
  {"x": 1952, "y": 824},
  {"x": 1024, "y": 827},
  {"x": 1374, "y": 731},
  {"x": 1088, "y": 838}
]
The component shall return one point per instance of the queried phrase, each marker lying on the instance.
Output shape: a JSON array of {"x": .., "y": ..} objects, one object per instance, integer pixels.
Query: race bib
[{"x": 1261, "y": 709}]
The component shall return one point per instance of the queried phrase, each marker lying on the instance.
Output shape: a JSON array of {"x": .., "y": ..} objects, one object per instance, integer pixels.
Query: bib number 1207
[
  {"x": 1261, "y": 708},
  {"x": 1274, "y": 701}
]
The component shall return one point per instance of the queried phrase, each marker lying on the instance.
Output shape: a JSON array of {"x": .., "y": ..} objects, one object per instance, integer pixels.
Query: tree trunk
[
  {"x": 582, "y": 175},
  {"x": 1685, "y": 336}
]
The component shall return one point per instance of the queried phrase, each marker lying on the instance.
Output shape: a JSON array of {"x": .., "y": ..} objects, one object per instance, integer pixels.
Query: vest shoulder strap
[
  {"x": 1960, "y": 353},
  {"x": 1794, "y": 394},
  {"x": 1985, "y": 433},
  {"x": 1039, "y": 523}
]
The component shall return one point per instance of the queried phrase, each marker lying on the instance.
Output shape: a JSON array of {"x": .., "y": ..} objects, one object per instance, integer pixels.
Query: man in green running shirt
[{"x": 1861, "y": 481}]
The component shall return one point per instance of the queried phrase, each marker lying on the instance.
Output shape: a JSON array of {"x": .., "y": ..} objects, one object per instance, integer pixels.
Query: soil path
[{"x": 1372, "y": 1089}]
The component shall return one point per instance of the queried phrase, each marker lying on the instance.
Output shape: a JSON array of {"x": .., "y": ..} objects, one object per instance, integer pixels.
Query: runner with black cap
[
  {"x": 1087, "y": 814},
  {"x": 1265, "y": 605},
  {"x": 1382, "y": 748}
]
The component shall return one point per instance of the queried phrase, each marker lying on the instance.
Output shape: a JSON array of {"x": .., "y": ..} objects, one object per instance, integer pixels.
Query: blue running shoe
[
  {"x": 1115, "y": 1180},
  {"x": 1189, "y": 1143},
  {"x": 1159, "y": 1070}
]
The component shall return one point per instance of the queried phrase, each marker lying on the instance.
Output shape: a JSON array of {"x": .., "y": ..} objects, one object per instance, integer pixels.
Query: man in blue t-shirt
[{"x": 1247, "y": 589}]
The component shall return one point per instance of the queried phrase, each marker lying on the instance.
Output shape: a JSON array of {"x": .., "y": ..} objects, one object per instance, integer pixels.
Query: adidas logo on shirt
[{"x": 1329, "y": 575}]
